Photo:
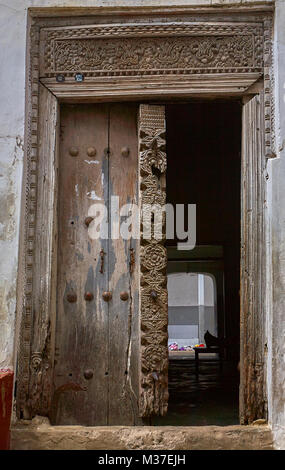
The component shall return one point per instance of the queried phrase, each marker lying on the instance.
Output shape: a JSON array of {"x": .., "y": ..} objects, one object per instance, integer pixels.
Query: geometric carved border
[
  {"x": 47, "y": 45},
  {"x": 25, "y": 301},
  {"x": 268, "y": 77}
]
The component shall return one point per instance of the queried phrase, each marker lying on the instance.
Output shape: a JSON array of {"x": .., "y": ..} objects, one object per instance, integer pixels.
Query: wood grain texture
[
  {"x": 41, "y": 360},
  {"x": 133, "y": 88},
  {"x": 123, "y": 315},
  {"x": 82, "y": 326},
  {"x": 96, "y": 336},
  {"x": 253, "y": 264}
]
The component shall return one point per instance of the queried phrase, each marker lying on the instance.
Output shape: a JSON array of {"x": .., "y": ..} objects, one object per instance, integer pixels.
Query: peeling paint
[
  {"x": 10, "y": 178},
  {"x": 92, "y": 161},
  {"x": 92, "y": 195},
  {"x": 9, "y": 194},
  {"x": 79, "y": 256}
]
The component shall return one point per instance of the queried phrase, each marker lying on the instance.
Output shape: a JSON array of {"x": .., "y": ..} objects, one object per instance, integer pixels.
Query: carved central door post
[{"x": 153, "y": 263}]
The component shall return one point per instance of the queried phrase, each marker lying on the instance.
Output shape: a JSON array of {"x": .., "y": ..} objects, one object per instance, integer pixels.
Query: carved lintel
[
  {"x": 176, "y": 49},
  {"x": 153, "y": 49},
  {"x": 122, "y": 49}
]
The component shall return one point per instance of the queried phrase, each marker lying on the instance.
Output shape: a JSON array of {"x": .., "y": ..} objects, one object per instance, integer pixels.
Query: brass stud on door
[
  {"x": 124, "y": 295},
  {"x": 91, "y": 151},
  {"x": 88, "y": 221},
  {"x": 107, "y": 296},
  {"x": 88, "y": 296},
  {"x": 73, "y": 151},
  {"x": 71, "y": 298},
  {"x": 125, "y": 151},
  {"x": 88, "y": 374}
]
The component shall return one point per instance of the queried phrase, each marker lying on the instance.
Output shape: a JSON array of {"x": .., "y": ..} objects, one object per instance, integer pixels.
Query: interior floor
[{"x": 211, "y": 398}]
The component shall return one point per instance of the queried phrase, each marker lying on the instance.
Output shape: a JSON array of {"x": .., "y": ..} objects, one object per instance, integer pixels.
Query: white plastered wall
[{"x": 276, "y": 210}]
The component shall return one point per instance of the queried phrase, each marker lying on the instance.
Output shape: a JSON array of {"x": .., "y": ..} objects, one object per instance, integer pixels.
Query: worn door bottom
[{"x": 38, "y": 434}]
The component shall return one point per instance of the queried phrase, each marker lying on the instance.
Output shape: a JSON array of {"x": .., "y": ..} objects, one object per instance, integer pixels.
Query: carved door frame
[{"x": 54, "y": 45}]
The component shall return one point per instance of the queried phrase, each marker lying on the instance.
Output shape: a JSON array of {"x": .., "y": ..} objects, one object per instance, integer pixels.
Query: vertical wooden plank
[
  {"x": 81, "y": 357},
  {"x": 123, "y": 272},
  {"x": 253, "y": 264},
  {"x": 153, "y": 262}
]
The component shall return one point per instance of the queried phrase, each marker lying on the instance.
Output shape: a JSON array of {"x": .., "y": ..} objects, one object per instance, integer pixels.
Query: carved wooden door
[
  {"x": 106, "y": 371},
  {"x": 95, "y": 375}
]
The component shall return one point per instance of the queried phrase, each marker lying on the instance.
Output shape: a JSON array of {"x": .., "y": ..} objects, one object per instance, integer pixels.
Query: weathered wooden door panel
[
  {"x": 97, "y": 342},
  {"x": 82, "y": 325},
  {"x": 123, "y": 273},
  {"x": 253, "y": 255}
]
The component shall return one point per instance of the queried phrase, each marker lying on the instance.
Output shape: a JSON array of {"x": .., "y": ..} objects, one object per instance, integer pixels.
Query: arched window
[{"x": 192, "y": 308}]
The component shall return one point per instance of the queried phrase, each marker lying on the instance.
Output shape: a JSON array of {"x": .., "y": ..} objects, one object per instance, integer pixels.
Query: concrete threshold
[{"x": 38, "y": 434}]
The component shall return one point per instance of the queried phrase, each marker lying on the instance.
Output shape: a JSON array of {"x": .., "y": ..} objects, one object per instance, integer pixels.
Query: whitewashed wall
[
  {"x": 13, "y": 14},
  {"x": 191, "y": 308},
  {"x": 276, "y": 321}
]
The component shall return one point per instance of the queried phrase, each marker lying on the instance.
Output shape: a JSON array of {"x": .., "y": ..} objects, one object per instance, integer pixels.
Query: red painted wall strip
[{"x": 6, "y": 396}]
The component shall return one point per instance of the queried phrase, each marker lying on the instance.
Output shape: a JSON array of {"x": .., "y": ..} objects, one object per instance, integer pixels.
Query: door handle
[
  {"x": 132, "y": 260},
  {"x": 102, "y": 254}
]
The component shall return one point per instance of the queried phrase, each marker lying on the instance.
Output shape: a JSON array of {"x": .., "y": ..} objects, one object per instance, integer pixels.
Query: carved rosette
[{"x": 153, "y": 262}]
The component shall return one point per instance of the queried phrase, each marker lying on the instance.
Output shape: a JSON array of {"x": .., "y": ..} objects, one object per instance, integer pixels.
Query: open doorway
[{"x": 204, "y": 168}]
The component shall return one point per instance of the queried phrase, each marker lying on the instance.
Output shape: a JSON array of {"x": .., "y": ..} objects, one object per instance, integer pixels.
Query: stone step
[{"x": 38, "y": 434}]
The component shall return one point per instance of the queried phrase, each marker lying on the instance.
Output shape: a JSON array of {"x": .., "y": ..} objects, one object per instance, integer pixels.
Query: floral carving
[
  {"x": 155, "y": 326},
  {"x": 108, "y": 56},
  {"x": 155, "y": 358},
  {"x": 153, "y": 278},
  {"x": 153, "y": 260},
  {"x": 153, "y": 256},
  {"x": 151, "y": 310},
  {"x": 36, "y": 361},
  {"x": 153, "y": 151}
]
